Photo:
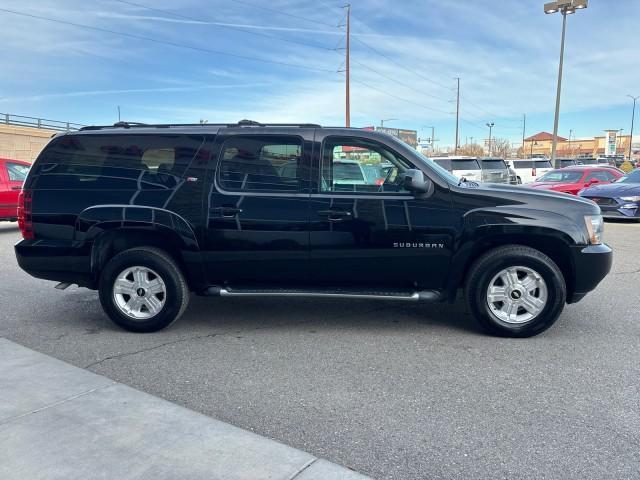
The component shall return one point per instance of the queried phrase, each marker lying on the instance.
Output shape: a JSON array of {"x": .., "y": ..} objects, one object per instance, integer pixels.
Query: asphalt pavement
[{"x": 392, "y": 391}]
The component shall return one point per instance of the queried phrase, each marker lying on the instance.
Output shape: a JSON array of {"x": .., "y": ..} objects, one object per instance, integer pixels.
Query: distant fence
[{"x": 22, "y": 121}]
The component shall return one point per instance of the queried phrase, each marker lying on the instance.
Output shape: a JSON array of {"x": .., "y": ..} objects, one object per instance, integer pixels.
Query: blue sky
[{"x": 285, "y": 57}]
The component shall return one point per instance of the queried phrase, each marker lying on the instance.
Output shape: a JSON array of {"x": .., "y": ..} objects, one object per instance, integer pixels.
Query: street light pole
[
  {"x": 386, "y": 120},
  {"x": 490, "y": 125},
  {"x": 566, "y": 7},
  {"x": 633, "y": 117},
  {"x": 554, "y": 144}
]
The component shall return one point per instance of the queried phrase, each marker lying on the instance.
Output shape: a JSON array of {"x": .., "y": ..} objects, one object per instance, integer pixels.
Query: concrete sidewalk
[{"x": 58, "y": 421}]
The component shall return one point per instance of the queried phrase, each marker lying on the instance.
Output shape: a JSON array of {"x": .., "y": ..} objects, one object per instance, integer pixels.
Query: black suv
[{"x": 147, "y": 214}]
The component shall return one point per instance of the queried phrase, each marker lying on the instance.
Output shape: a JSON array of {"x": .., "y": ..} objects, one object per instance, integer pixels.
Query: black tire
[
  {"x": 175, "y": 299},
  {"x": 495, "y": 261}
]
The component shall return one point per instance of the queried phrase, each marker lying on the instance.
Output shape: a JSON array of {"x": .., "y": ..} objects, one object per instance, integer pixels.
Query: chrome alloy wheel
[
  {"x": 139, "y": 293},
  {"x": 517, "y": 295}
]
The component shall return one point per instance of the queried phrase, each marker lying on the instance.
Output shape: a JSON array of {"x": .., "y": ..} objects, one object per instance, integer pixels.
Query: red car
[
  {"x": 573, "y": 179},
  {"x": 12, "y": 175}
]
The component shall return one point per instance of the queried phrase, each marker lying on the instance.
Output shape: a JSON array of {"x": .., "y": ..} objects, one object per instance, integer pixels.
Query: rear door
[{"x": 258, "y": 207}]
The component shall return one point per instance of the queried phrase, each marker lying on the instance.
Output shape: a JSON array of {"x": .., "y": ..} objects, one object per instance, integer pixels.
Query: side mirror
[{"x": 415, "y": 181}]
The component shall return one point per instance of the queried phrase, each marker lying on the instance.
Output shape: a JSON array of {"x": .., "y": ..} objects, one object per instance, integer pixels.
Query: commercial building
[{"x": 609, "y": 144}]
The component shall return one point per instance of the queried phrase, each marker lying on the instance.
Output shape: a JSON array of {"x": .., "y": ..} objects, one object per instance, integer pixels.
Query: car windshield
[
  {"x": 560, "y": 176},
  {"x": 347, "y": 171},
  {"x": 633, "y": 177},
  {"x": 17, "y": 172}
]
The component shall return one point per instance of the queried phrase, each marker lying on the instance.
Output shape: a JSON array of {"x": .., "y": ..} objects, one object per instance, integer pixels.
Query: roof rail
[{"x": 241, "y": 123}]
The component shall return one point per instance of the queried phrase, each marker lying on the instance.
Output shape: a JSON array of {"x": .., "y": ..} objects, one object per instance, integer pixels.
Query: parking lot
[{"x": 392, "y": 391}]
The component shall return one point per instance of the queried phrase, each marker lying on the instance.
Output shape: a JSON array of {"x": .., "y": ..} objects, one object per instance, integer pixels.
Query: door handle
[
  {"x": 227, "y": 212},
  {"x": 335, "y": 215}
]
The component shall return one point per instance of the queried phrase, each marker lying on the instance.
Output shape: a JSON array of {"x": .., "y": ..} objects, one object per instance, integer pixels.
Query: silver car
[{"x": 494, "y": 170}]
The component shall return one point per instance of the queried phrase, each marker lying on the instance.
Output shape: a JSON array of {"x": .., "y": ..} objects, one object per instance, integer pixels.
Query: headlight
[
  {"x": 631, "y": 199},
  {"x": 595, "y": 228}
]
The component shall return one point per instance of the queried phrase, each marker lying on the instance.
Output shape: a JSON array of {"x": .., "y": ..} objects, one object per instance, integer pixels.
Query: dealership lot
[{"x": 393, "y": 391}]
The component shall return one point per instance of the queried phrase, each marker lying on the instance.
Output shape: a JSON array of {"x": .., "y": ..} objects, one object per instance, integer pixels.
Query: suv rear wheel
[
  {"x": 143, "y": 290},
  {"x": 515, "y": 291}
]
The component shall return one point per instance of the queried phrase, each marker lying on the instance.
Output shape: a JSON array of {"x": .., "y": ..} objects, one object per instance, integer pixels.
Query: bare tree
[
  {"x": 471, "y": 150},
  {"x": 500, "y": 147}
]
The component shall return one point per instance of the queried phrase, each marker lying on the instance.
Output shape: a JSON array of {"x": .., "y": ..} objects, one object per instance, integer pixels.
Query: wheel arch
[{"x": 553, "y": 243}]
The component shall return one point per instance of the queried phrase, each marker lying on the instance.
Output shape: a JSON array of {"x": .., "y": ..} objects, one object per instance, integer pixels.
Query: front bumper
[
  {"x": 591, "y": 265},
  {"x": 617, "y": 208}
]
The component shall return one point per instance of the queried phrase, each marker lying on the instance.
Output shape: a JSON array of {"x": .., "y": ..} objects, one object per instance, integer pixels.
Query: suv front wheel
[
  {"x": 515, "y": 291},
  {"x": 143, "y": 290}
]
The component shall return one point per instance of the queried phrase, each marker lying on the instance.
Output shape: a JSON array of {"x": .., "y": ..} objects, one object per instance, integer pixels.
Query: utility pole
[
  {"x": 524, "y": 129},
  {"x": 347, "y": 93},
  {"x": 471, "y": 140},
  {"x": 633, "y": 117},
  {"x": 118, "y": 113},
  {"x": 457, "y": 115}
]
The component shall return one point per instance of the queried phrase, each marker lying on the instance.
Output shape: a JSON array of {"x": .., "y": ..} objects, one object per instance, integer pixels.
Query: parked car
[
  {"x": 12, "y": 175},
  {"x": 613, "y": 161},
  {"x": 617, "y": 200},
  {"x": 494, "y": 170},
  {"x": 528, "y": 170},
  {"x": 573, "y": 179},
  {"x": 513, "y": 177},
  {"x": 462, "y": 167},
  {"x": 587, "y": 161},
  {"x": 147, "y": 214}
]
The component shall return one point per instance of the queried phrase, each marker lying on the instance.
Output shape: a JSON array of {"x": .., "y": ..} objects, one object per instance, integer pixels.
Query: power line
[
  {"x": 493, "y": 115},
  {"x": 397, "y": 97},
  {"x": 167, "y": 42},
  {"x": 393, "y": 60},
  {"x": 282, "y": 12},
  {"x": 388, "y": 77},
  {"x": 229, "y": 27}
]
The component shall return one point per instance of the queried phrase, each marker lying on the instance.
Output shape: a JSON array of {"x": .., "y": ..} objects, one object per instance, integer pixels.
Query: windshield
[
  {"x": 17, "y": 172},
  {"x": 561, "y": 176},
  {"x": 633, "y": 177}
]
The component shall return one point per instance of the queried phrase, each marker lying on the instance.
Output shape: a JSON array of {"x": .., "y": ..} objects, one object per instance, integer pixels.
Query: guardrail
[{"x": 22, "y": 121}]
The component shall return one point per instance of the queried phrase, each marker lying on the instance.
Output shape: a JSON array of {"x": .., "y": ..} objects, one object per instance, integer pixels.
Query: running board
[{"x": 402, "y": 295}]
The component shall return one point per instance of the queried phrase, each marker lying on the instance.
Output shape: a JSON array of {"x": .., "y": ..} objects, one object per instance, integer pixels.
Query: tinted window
[
  {"x": 262, "y": 163},
  {"x": 444, "y": 163},
  {"x": 466, "y": 164},
  {"x": 561, "y": 176},
  {"x": 567, "y": 163},
  {"x": 117, "y": 161},
  {"x": 602, "y": 176},
  {"x": 17, "y": 171},
  {"x": 494, "y": 165},
  {"x": 345, "y": 161},
  {"x": 532, "y": 164}
]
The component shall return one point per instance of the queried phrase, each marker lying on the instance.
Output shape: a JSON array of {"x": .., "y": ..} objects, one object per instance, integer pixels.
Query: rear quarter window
[{"x": 116, "y": 161}]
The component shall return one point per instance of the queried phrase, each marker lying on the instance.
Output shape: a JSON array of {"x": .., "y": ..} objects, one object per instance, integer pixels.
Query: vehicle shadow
[{"x": 328, "y": 314}]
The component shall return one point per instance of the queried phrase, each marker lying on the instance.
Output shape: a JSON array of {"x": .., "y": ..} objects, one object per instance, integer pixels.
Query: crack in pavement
[
  {"x": 211, "y": 335},
  {"x": 143, "y": 350}
]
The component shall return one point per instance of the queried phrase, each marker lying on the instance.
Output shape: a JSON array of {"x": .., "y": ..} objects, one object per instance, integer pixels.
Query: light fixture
[{"x": 551, "y": 7}]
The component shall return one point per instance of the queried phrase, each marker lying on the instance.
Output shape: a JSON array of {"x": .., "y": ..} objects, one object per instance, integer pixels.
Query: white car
[
  {"x": 462, "y": 167},
  {"x": 528, "y": 170}
]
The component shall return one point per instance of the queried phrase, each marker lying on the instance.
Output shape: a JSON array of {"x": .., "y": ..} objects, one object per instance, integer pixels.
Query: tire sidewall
[
  {"x": 556, "y": 296},
  {"x": 173, "y": 300}
]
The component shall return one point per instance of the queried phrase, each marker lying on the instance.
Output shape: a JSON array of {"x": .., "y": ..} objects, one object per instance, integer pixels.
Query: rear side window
[
  {"x": 263, "y": 163},
  {"x": 543, "y": 164},
  {"x": 17, "y": 172},
  {"x": 117, "y": 161},
  {"x": 494, "y": 165},
  {"x": 532, "y": 164},
  {"x": 466, "y": 164},
  {"x": 444, "y": 163}
]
